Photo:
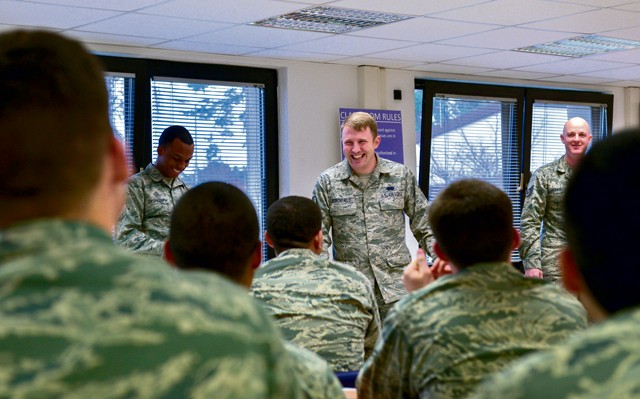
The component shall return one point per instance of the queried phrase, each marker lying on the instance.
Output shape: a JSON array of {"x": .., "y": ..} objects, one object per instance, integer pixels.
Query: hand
[
  {"x": 440, "y": 268},
  {"x": 533, "y": 273},
  {"x": 417, "y": 274}
]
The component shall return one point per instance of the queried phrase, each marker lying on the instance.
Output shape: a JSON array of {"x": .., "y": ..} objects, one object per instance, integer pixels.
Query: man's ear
[
  {"x": 168, "y": 255},
  {"x": 517, "y": 240},
  {"x": 256, "y": 257},
  {"x": 571, "y": 277},
  {"x": 318, "y": 242},
  {"x": 268, "y": 239},
  {"x": 439, "y": 252},
  {"x": 119, "y": 161}
]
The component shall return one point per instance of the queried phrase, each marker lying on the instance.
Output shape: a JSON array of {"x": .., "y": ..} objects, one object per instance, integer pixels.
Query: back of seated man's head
[
  {"x": 54, "y": 124},
  {"x": 214, "y": 227},
  {"x": 603, "y": 220},
  {"x": 293, "y": 222},
  {"x": 472, "y": 222}
]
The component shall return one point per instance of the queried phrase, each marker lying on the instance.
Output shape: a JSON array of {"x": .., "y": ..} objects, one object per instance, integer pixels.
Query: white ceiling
[{"x": 446, "y": 36}]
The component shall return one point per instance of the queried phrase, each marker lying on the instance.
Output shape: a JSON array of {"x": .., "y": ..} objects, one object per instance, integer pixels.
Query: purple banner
[{"x": 389, "y": 130}]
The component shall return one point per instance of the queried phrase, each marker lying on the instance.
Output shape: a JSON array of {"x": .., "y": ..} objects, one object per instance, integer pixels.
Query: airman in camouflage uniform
[
  {"x": 364, "y": 204},
  {"x": 601, "y": 268},
  {"x": 443, "y": 340},
  {"x": 152, "y": 194},
  {"x": 214, "y": 227},
  {"x": 543, "y": 207},
  {"x": 82, "y": 318},
  {"x": 314, "y": 374},
  {"x": 542, "y": 222},
  {"x": 450, "y": 333},
  {"x": 321, "y": 305}
]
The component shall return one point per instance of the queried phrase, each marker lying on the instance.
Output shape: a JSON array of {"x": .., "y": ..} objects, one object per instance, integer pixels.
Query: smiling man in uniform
[
  {"x": 152, "y": 194},
  {"x": 364, "y": 200}
]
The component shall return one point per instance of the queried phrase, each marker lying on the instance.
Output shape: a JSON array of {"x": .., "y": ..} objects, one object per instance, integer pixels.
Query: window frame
[
  {"x": 146, "y": 69},
  {"x": 525, "y": 96}
]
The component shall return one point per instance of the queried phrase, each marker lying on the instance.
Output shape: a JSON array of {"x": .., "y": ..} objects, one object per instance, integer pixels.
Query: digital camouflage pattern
[
  {"x": 368, "y": 223},
  {"x": 601, "y": 362},
  {"x": 82, "y": 318},
  {"x": 316, "y": 378},
  {"x": 144, "y": 223},
  {"x": 442, "y": 340},
  {"x": 321, "y": 305},
  {"x": 542, "y": 209}
]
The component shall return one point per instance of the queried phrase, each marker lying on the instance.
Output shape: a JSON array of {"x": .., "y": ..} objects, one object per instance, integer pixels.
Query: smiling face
[
  {"x": 173, "y": 158},
  {"x": 576, "y": 138},
  {"x": 359, "y": 146}
]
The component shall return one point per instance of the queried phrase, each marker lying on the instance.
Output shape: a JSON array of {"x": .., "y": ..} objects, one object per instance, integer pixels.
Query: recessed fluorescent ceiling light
[
  {"x": 581, "y": 46},
  {"x": 330, "y": 19}
]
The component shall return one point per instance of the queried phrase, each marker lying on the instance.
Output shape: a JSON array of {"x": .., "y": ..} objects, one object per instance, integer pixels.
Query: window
[
  {"x": 230, "y": 112},
  {"x": 499, "y": 134}
]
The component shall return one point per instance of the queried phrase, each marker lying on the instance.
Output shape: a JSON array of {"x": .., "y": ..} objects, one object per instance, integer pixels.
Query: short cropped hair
[
  {"x": 214, "y": 226},
  {"x": 292, "y": 222},
  {"x": 472, "y": 222},
  {"x": 54, "y": 122},
  {"x": 603, "y": 222},
  {"x": 359, "y": 121},
  {"x": 175, "y": 132}
]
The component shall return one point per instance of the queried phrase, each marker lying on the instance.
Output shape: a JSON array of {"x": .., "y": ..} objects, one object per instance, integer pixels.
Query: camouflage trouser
[{"x": 383, "y": 307}]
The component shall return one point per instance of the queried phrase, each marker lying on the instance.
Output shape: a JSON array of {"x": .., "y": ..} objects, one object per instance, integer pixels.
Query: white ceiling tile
[
  {"x": 595, "y": 3},
  {"x": 258, "y": 36},
  {"x": 629, "y": 34},
  {"x": 235, "y": 11},
  {"x": 505, "y": 60},
  {"x": 628, "y": 56},
  {"x": 507, "y": 38},
  {"x": 431, "y": 53},
  {"x": 577, "y": 79},
  {"x": 630, "y": 73},
  {"x": 296, "y": 55},
  {"x": 444, "y": 68},
  {"x": 513, "y": 12},
  {"x": 347, "y": 45},
  {"x": 423, "y": 29},
  {"x": 153, "y": 26},
  {"x": 49, "y": 16},
  {"x": 597, "y": 21},
  {"x": 406, "y": 7},
  {"x": 380, "y": 62},
  {"x": 213, "y": 48},
  {"x": 118, "y": 5},
  {"x": 635, "y": 6},
  {"x": 104, "y": 38},
  {"x": 573, "y": 66},
  {"x": 508, "y": 74}
]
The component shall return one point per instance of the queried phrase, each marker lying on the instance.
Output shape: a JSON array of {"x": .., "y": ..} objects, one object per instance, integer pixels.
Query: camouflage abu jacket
[
  {"x": 144, "y": 223},
  {"x": 600, "y": 362},
  {"x": 442, "y": 340},
  {"x": 367, "y": 224},
  {"x": 542, "y": 209},
  {"x": 320, "y": 305},
  {"x": 82, "y": 318}
]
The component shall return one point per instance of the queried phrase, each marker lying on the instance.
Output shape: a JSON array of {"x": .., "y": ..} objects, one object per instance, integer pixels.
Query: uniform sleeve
[
  {"x": 130, "y": 232},
  {"x": 386, "y": 374},
  {"x": 416, "y": 208},
  {"x": 322, "y": 197},
  {"x": 533, "y": 212}
]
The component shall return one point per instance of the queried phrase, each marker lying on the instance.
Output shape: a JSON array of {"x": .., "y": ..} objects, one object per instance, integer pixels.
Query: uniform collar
[
  {"x": 382, "y": 166},
  {"x": 157, "y": 176}
]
